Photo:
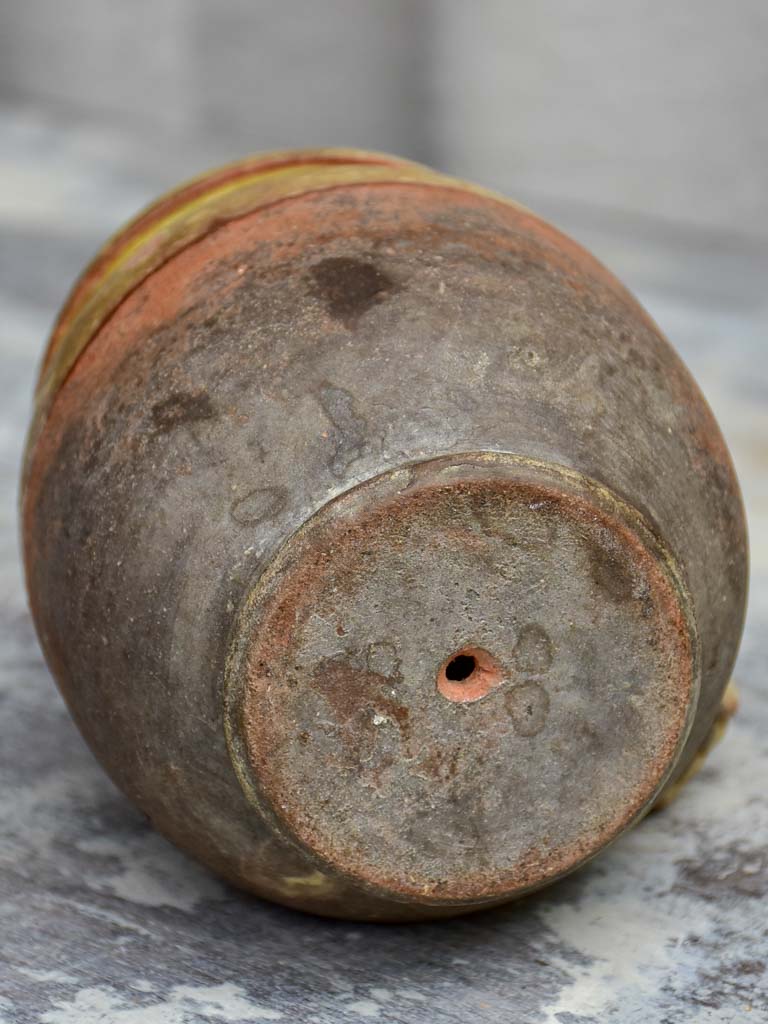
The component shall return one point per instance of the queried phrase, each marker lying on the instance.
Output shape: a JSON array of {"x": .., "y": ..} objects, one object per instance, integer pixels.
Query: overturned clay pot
[{"x": 387, "y": 556}]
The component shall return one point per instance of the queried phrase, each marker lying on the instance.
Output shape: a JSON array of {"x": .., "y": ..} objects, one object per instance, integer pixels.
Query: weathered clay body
[{"x": 387, "y": 556}]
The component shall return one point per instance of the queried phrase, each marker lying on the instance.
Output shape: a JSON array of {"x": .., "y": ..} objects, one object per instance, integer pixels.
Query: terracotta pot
[{"x": 386, "y": 554}]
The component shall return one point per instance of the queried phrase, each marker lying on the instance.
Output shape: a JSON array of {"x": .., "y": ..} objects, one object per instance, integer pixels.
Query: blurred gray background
[
  {"x": 638, "y": 108},
  {"x": 641, "y": 128}
]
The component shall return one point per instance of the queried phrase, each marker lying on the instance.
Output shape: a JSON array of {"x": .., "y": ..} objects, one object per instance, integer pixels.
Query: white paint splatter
[
  {"x": 104, "y": 1005},
  {"x": 151, "y": 873},
  {"x": 364, "y": 1008},
  {"x": 382, "y": 995},
  {"x": 59, "y": 977},
  {"x": 27, "y": 810},
  {"x": 627, "y": 953},
  {"x": 225, "y": 1002},
  {"x": 90, "y": 910},
  {"x": 410, "y": 993},
  {"x": 142, "y": 985}
]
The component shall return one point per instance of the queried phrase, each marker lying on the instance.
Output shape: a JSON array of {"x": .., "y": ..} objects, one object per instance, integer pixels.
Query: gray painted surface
[{"x": 100, "y": 919}]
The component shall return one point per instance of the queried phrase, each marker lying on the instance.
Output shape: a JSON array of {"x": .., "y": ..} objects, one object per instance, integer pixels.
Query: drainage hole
[
  {"x": 469, "y": 674},
  {"x": 460, "y": 668}
]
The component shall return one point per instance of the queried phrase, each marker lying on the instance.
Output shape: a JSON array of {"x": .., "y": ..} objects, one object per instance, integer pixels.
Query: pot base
[{"x": 424, "y": 696}]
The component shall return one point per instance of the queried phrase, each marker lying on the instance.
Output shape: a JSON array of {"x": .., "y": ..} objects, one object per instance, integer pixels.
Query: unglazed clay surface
[{"x": 102, "y": 920}]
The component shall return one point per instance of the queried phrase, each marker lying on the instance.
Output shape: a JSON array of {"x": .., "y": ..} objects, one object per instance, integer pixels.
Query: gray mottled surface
[{"x": 102, "y": 921}]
